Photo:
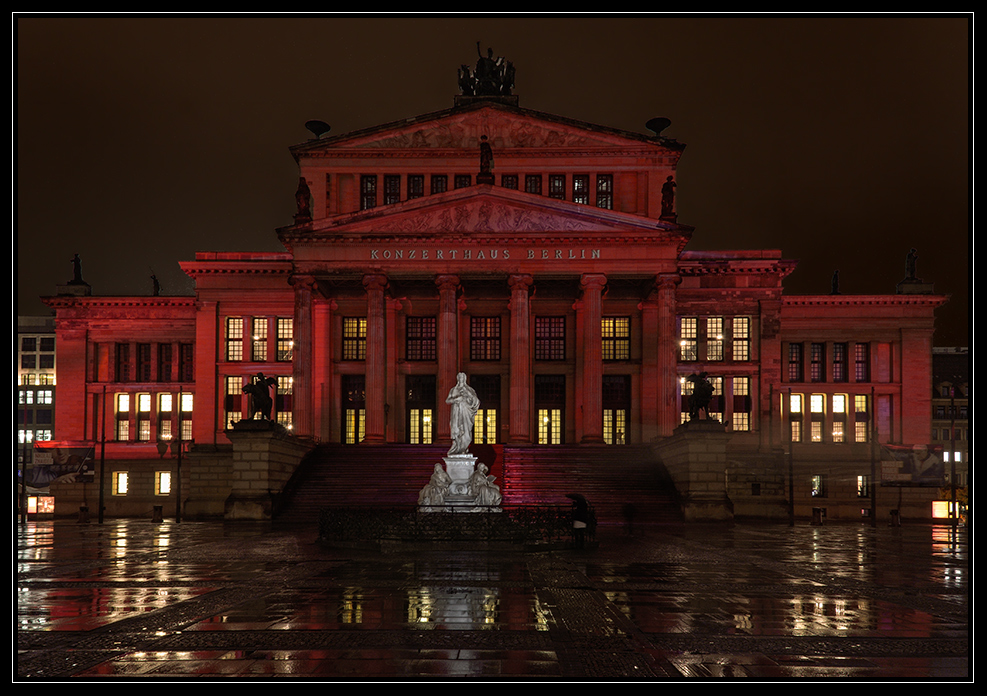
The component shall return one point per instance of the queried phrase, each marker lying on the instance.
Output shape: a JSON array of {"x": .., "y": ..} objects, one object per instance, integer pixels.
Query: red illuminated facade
[{"x": 557, "y": 277}]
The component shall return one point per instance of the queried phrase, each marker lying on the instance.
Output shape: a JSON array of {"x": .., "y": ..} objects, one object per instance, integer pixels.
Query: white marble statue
[
  {"x": 483, "y": 489},
  {"x": 436, "y": 490},
  {"x": 465, "y": 404}
]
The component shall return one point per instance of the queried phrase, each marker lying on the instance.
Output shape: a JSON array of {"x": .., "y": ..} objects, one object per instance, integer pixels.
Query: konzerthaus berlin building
[{"x": 540, "y": 255}]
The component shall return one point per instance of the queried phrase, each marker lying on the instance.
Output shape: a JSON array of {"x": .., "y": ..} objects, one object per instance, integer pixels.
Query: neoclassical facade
[{"x": 541, "y": 256}]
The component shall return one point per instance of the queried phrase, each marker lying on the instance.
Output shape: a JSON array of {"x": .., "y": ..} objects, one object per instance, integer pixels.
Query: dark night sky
[{"x": 841, "y": 141}]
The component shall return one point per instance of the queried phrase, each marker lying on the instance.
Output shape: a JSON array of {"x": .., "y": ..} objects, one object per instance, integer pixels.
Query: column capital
[
  {"x": 377, "y": 281},
  {"x": 516, "y": 281},
  {"x": 447, "y": 282},
  {"x": 303, "y": 282},
  {"x": 592, "y": 280},
  {"x": 667, "y": 281}
]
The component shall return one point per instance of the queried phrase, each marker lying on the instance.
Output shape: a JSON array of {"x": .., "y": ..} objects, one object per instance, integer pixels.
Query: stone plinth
[
  {"x": 695, "y": 456},
  {"x": 459, "y": 495},
  {"x": 265, "y": 456}
]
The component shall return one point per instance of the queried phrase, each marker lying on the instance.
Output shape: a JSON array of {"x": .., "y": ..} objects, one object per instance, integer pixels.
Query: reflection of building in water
[
  {"x": 454, "y": 607},
  {"x": 566, "y": 286}
]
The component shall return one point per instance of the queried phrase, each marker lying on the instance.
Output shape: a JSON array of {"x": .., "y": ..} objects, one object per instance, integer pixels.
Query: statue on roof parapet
[{"x": 492, "y": 77}]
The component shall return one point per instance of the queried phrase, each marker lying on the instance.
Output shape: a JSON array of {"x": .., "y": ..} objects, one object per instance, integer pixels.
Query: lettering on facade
[{"x": 481, "y": 254}]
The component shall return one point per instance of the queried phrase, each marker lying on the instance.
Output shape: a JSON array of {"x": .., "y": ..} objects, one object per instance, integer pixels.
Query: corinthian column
[
  {"x": 592, "y": 383},
  {"x": 376, "y": 369},
  {"x": 447, "y": 349},
  {"x": 301, "y": 356},
  {"x": 520, "y": 395}
]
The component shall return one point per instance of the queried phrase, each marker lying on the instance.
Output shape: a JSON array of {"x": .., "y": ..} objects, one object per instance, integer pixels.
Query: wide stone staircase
[{"x": 625, "y": 483}]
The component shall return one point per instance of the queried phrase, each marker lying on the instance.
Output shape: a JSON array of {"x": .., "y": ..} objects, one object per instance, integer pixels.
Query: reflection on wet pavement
[{"x": 134, "y": 599}]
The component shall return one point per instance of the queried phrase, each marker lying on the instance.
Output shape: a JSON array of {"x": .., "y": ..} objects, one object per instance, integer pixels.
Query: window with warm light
[
  {"x": 285, "y": 338},
  {"x": 162, "y": 482},
  {"x": 120, "y": 483},
  {"x": 258, "y": 340},
  {"x": 616, "y": 338},
  {"x": 354, "y": 338},
  {"x": 234, "y": 339}
]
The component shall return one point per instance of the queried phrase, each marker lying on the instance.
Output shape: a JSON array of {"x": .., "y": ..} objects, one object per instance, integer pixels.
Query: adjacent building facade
[{"x": 541, "y": 256}]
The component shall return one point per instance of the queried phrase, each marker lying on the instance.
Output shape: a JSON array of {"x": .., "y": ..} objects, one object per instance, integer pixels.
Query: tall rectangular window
[
  {"x": 742, "y": 406},
  {"x": 741, "y": 339},
  {"x": 861, "y": 356},
  {"x": 368, "y": 191},
  {"x": 283, "y": 400},
  {"x": 840, "y": 362},
  {"x": 120, "y": 483},
  {"x": 795, "y": 416},
  {"x": 354, "y": 338},
  {"x": 420, "y": 338},
  {"x": 817, "y": 362},
  {"x": 392, "y": 188},
  {"x": 794, "y": 362},
  {"x": 604, "y": 191},
  {"x": 258, "y": 340},
  {"x": 714, "y": 338},
  {"x": 556, "y": 186},
  {"x": 616, "y": 338},
  {"x": 549, "y": 338},
  {"x": 234, "y": 339},
  {"x": 861, "y": 418},
  {"x": 143, "y": 362},
  {"x": 439, "y": 183},
  {"x": 122, "y": 362},
  {"x": 233, "y": 400},
  {"x": 416, "y": 186},
  {"x": 164, "y": 362},
  {"x": 185, "y": 415},
  {"x": 165, "y": 406},
  {"x": 484, "y": 338},
  {"x": 286, "y": 344},
  {"x": 532, "y": 183},
  {"x": 186, "y": 360},
  {"x": 839, "y": 417},
  {"x": 580, "y": 188},
  {"x": 122, "y": 417},
  {"x": 688, "y": 339},
  {"x": 143, "y": 417}
]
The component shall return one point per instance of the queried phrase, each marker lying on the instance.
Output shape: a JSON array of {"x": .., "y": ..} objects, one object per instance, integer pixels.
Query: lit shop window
[
  {"x": 354, "y": 338},
  {"x": 234, "y": 339},
  {"x": 616, "y": 338}
]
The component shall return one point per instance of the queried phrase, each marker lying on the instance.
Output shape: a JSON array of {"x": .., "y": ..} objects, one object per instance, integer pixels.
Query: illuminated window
[
  {"x": 354, "y": 338},
  {"x": 368, "y": 191},
  {"x": 354, "y": 398},
  {"x": 420, "y": 426},
  {"x": 741, "y": 338},
  {"x": 234, "y": 338},
  {"x": 162, "y": 482},
  {"x": 818, "y": 486},
  {"x": 258, "y": 340},
  {"x": 164, "y": 416},
  {"x": 549, "y": 338},
  {"x": 861, "y": 418},
  {"x": 484, "y": 338},
  {"x": 549, "y": 426},
  {"x": 714, "y": 338},
  {"x": 795, "y": 416},
  {"x": 283, "y": 396},
  {"x": 688, "y": 339},
  {"x": 580, "y": 189},
  {"x": 416, "y": 186},
  {"x": 45, "y": 396},
  {"x": 186, "y": 417},
  {"x": 616, "y": 338},
  {"x": 123, "y": 417},
  {"x": 614, "y": 426},
  {"x": 420, "y": 339},
  {"x": 616, "y": 407},
  {"x": 120, "y": 483},
  {"x": 143, "y": 417},
  {"x": 233, "y": 400},
  {"x": 550, "y": 397},
  {"x": 286, "y": 342},
  {"x": 863, "y": 486},
  {"x": 604, "y": 191},
  {"x": 392, "y": 189},
  {"x": 741, "y": 415},
  {"x": 487, "y": 389}
]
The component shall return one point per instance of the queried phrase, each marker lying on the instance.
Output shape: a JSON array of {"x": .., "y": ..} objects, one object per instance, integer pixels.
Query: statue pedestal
[
  {"x": 695, "y": 456},
  {"x": 459, "y": 497}
]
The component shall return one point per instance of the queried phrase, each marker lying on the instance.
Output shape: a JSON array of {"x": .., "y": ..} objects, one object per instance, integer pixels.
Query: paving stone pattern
[{"x": 135, "y": 600}]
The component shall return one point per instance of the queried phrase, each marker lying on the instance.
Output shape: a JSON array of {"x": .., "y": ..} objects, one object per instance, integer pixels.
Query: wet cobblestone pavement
[{"x": 133, "y": 599}]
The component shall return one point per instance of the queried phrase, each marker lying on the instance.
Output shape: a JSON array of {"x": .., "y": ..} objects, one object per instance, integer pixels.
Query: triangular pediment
[
  {"x": 483, "y": 210},
  {"x": 505, "y": 127}
]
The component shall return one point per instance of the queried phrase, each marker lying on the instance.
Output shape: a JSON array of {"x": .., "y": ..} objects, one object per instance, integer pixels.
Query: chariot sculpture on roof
[{"x": 491, "y": 77}]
